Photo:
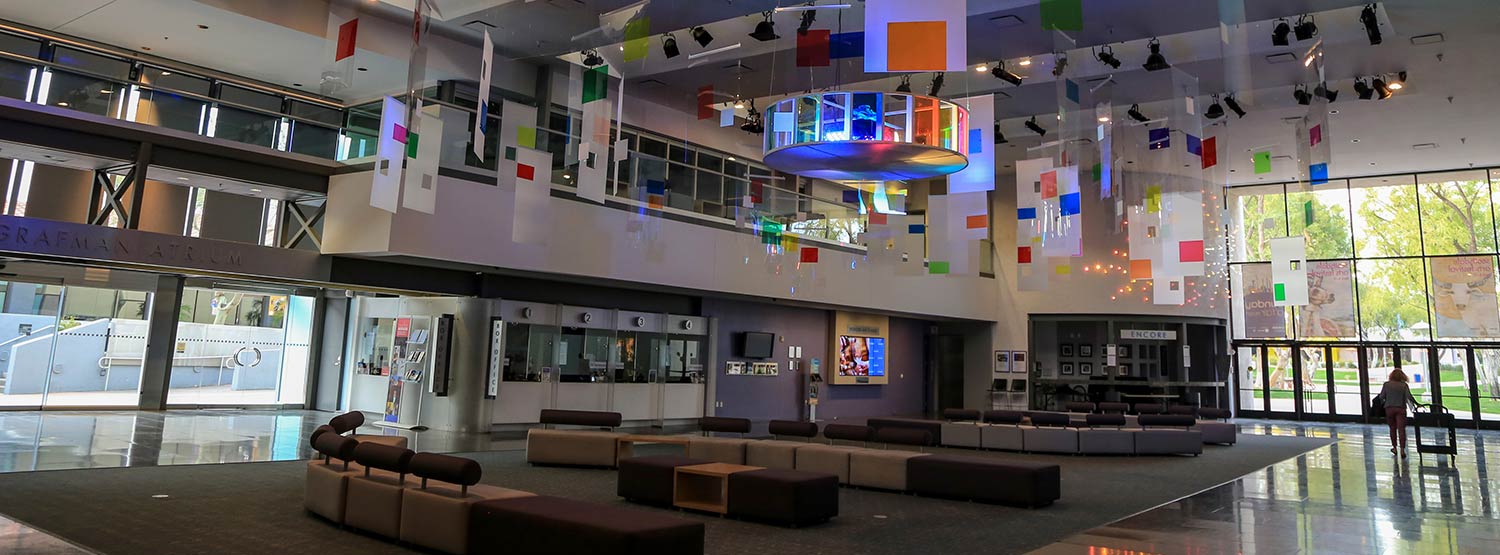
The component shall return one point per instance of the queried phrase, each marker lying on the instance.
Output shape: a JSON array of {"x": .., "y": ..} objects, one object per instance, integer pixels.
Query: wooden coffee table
[
  {"x": 623, "y": 443},
  {"x": 705, "y": 487}
]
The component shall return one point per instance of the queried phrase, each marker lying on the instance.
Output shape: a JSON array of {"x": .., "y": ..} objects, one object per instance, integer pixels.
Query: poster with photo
[
  {"x": 1329, "y": 312},
  {"x": 1263, "y": 319},
  {"x": 1463, "y": 297}
]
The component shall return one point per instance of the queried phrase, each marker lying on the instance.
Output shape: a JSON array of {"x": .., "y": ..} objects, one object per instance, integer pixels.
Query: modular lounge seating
[
  {"x": 363, "y": 485},
  {"x": 1049, "y": 432},
  {"x": 720, "y": 449},
  {"x": 649, "y": 480},
  {"x": 1213, "y": 429},
  {"x": 444, "y": 498},
  {"x": 1106, "y": 435},
  {"x": 961, "y": 427},
  {"x": 574, "y": 447},
  {"x": 1002, "y": 430},
  {"x": 1168, "y": 434},
  {"x": 546, "y": 524},
  {"x": 978, "y": 479},
  {"x": 776, "y": 495},
  {"x": 345, "y": 424},
  {"x": 932, "y": 427},
  {"x": 779, "y": 453}
]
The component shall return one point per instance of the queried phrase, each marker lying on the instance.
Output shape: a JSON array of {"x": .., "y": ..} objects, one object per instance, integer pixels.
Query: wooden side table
[{"x": 705, "y": 487}]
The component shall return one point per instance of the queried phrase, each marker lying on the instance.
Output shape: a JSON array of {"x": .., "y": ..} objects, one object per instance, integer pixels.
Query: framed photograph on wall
[
  {"x": 1067, "y": 368},
  {"x": 1018, "y": 362},
  {"x": 1122, "y": 351},
  {"x": 1086, "y": 368},
  {"x": 1086, "y": 350},
  {"x": 1065, "y": 349},
  {"x": 1125, "y": 369}
]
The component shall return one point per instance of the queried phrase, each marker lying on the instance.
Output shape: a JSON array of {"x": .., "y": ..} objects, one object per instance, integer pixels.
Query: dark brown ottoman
[
  {"x": 787, "y": 497},
  {"x": 649, "y": 480},
  {"x": 1011, "y": 482},
  {"x": 544, "y": 525}
]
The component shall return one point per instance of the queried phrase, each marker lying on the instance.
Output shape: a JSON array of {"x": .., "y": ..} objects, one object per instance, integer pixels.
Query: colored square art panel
[
  {"x": 1190, "y": 251},
  {"x": 1318, "y": 173},
  {"x": 813, "y": 48},
  {"x": 1023, "y": 255},
  {"x": 1159, "y": 138},
  {"x": 1049, "y": 184},
  {"x": 916, "y": 45}
]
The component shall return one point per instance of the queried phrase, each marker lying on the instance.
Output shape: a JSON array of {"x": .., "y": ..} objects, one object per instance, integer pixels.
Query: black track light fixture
[
  {"x": 753, "y": 122},
  {"x": 1234, "y": 105},
  {"x": 1155, "y": 61},
  {"x": 1322, "y": 91},
  {"x": 1135, "y": 113},
  {"x": 1005, "y": 75},
  {"x": 936, "y": 85},
  {"x": 999, "y": 137},
  {"x": 766, "y": 29},
  {"x": 1215, "y": 110},
  {"x": 1305, "y": 28},
  {"x": 808, "y": 17},
  {"x": 1060, "y": 65},
  {"x": 905, "y": 85},
  {"x": 702, "y": 36},
  {"x": 1301, "y": 95},
  {"x": 669, "y": 46},
  {"x": 1106, "y": 54},
  {"x": 592, "y": 58},
  {"x": 1280, "y": 33},
  {"x": 1382, "y": 91},
  {"x": 1371, "y": 22},
  {"x": 1035, "y": 128},
  {"x": 1363, "y": 89},
  {"x": 1397, "y": 83}
]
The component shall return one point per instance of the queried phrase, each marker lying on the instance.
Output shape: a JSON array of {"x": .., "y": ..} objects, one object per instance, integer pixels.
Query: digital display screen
[
  {"x": 758, "y": 345},
  {"x": 861, "y": 356}
]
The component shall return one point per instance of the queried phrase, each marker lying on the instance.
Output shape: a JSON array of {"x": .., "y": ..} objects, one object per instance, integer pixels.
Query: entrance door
[
  {"x": 1485, "y": 384},
  {"x": 1250, "y": 378},
  {"x": 1284, "y": 387},
  {"x": 96, "y": 349},
  {"x": 947, "y": 358},
  {"x": 28, "y": 320}
]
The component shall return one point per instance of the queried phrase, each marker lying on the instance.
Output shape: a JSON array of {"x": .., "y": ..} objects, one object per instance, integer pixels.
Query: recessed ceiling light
[
  {"x": 165, "y": 73},
  {"x": 180, "y": 178},
  {"x": 106, "y": 91},
  {"x": 1372, "y": 163},
  {"x": 254, "y": 190},
  {"x": 1103, "y": 119},
  {"x": 1353, "y": 140},
  {"x": 63, "y": 104},
  {"x": 146, "y": 48},
  {"x": 1025, "y": 62},
  {"x": 731, "y": 158},
  {"x": 1431, "y": 38},
  {"x": 1280, "y": 58},
  {"x": 296, "y": 84},
  {"x": 1333, "y": 112},
  {"x": 982, "y": 68},
  {"x": 362, "y": 69},
  {"x": 201, "y": 26}
]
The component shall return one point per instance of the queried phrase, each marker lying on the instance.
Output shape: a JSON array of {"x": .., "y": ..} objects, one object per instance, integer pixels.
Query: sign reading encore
[
  {"x": 90, "y": 242},
  {"x": 1149, "y": 335}
]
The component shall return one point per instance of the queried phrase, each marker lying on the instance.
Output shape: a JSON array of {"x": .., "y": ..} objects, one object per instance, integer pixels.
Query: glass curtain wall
[
  {"x": 1407, "y": 262},
  {"x": 70, "y": 346},
  {"x": 241, "y": 347}
]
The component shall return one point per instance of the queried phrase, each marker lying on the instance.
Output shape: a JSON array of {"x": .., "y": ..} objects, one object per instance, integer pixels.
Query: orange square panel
[
  {"x": 916, "y": 46},
  {"x": 1140, "y": 269}
]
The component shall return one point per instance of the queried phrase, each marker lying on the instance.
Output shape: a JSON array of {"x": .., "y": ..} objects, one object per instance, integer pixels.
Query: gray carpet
[{"x": 257, "y": 507}]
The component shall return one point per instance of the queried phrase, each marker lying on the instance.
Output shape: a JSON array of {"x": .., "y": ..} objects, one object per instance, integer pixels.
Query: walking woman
[{"x": 1397, "y": 396}]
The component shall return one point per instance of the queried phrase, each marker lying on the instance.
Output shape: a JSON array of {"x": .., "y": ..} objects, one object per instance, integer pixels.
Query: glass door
[
  {"x": 244, "y": 347},
  {"x": 1283, "y": 385},
  {"x": 98, "y": 348},
  {"x": 1314, "y": 380},
  {"x": 28, "y": 322},
  {"x": 1250, "y": 377},
  {"x": 1485, "y": 383},
  {"x": 1346, "y": 384}
]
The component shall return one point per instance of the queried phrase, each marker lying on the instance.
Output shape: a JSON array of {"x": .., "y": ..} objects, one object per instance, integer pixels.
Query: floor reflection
[
  {"x": 1353, "y": 496},
  {"x": 32, "y": 441}
]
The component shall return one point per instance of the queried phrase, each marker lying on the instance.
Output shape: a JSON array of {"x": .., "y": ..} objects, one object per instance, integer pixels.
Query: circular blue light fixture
[{"x": 867, "y": 136}]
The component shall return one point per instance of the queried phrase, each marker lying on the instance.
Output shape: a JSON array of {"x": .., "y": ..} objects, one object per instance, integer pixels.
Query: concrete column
[{"x": 161, "y": 343}]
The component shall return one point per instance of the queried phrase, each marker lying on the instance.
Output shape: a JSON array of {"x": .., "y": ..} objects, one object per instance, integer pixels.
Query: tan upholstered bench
[
  {"x": 882, "y": 469},
  {"x": 572, "y": 447}
]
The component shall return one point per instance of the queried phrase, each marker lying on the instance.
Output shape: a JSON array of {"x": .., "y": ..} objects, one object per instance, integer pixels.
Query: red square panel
[
  {"x": 1023, "y": 255},
  {"x": 877, "y": 218},
  {"x": 526, "y": 172},
  {"x": 809, "y": 255},
  {"x": 1049, "y": 184},
  {"x": 1190, "y": 251}
]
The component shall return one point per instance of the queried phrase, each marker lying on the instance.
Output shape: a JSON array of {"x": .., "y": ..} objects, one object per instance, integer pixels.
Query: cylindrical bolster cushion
[
  {"x": 320, "y": 430},
  {"x": 847, "y": 432},
  {"x": 1188, "y": 410},
  {"x": 1078, "y": 406},
  {"x": 961, "y": 414},
  {"x": 1114, "y": 407},
  {"x": 903, "y": 436},
  {"x": 336, "y": 446},
  {"x": 724, "y": 424},
  {"x": 1003, "y": 416},
  {"x": 1049, "y": 419},
  {"x": 384, "y": 457},
  {"x": 1105, "y": 420},
  {"x": 794, "y": 428},
  {"x": 595, "y": 418},
  {"x": 1213, "y": 413},
  {"x": 1148, "y": 408},
  {"x": 347, "y": 422},
  {"x": 1175, "y": 420},
  {"x": 445, "y": 468}
]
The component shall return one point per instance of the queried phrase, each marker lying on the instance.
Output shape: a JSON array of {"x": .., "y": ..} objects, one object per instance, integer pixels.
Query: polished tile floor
[{"x": 1350, "y": 497}]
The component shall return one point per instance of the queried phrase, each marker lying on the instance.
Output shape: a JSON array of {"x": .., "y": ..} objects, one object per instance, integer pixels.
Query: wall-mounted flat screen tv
[
  {"x": 757, "y": 344},
  {"x": 861, "y": 356}
]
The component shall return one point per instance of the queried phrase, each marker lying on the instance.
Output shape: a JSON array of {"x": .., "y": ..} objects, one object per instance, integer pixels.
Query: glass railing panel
[
  {"x": 14, "y": 77},
  {"x": 172, "y": 111},
  {"x": 82, "y": 93},
  {"x": 244, "y": 126},
  {"x": 314, "y": 140}
]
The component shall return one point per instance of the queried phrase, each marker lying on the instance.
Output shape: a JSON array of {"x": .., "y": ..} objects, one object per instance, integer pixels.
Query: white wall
[{"x": 474, "y": 221}]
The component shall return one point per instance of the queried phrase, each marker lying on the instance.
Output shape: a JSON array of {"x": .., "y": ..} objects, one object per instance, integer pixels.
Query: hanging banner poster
[
  {"x": 1329, "y": 312},
  {"x": 398, "y": 370},
  {"x": 1263, "y": 319},
  {"x": 1464, "y": 301}
]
